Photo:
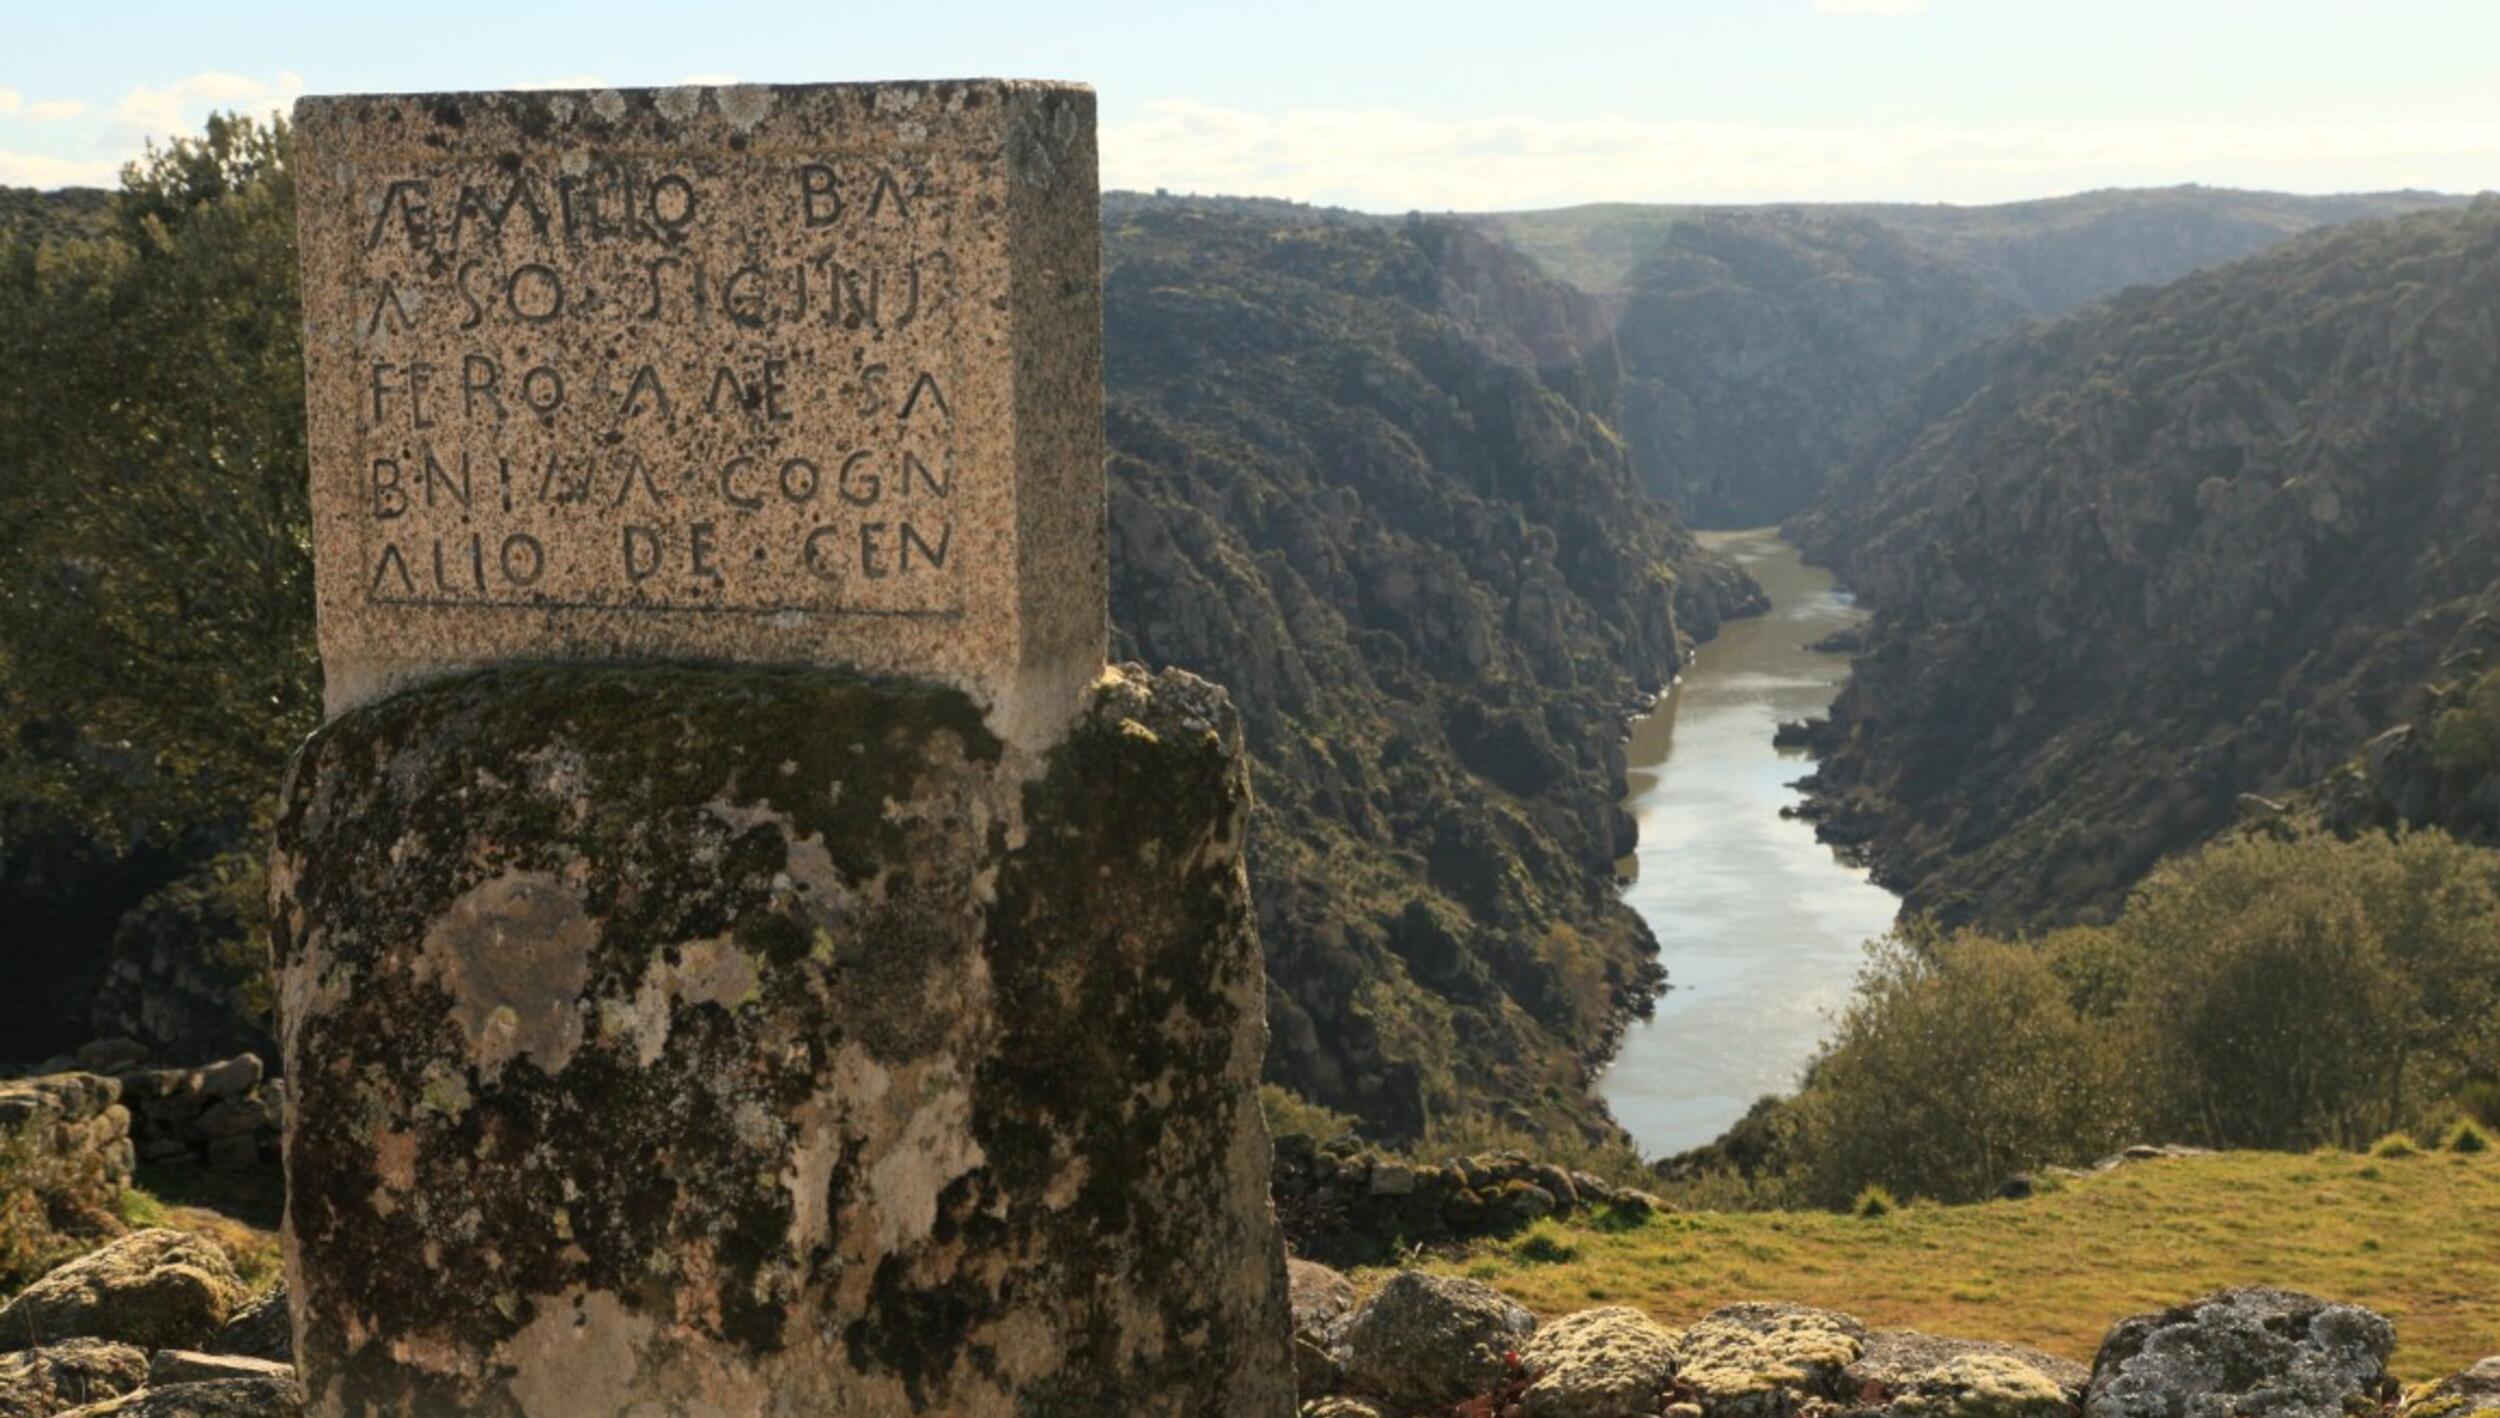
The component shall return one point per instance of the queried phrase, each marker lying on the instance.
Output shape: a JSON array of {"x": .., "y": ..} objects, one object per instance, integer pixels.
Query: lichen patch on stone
[{"x": 514, "y": 955}]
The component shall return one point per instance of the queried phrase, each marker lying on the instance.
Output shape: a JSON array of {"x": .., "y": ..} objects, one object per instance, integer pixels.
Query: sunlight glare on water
[{"x": 1761, "y": 927}]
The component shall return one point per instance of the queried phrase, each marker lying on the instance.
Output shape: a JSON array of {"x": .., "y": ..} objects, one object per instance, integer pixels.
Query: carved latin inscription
[{"x": 791, "y": 374}]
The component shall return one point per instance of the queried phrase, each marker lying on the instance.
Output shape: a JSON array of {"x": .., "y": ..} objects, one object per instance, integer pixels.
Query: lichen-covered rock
[
  {"x": 1317, "y": 1294},
  {"x": 2476, "y": 1390},
  {"x": 1906, "y": 1374},
  {"x": 774, "y": 1042},
  {"x": 1339, "y": 1407},
  {"x": 1319, "y": 1297},
  {"x": 213, "y": 1398},
  {"x": 1613, "y": 1362},
  {"x": 2252, "y": 1353},
  {"x": 155, "y": 1288},
  {"x": 1765, "y": 1360},
  {"x": 260, "y": 1329},
  {"x": 37, "y": 1383},
  {"x": 1426, "y": 1339}
]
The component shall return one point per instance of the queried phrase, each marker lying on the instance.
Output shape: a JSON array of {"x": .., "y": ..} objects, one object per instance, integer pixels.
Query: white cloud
[
  {"x": 1385, "y": 159},
  {"x": 11, "y": 100},
  {"x": 1870, "y": 7},
  {"x": 43, "y": 170},
  {"x": 55, "y": 110},
  {"x": 178, "y": 108},
  {"x": 711, "y": 80}
]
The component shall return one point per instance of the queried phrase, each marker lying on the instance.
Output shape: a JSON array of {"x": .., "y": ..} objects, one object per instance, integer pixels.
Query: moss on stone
[{"x": 857, "y": 1081}]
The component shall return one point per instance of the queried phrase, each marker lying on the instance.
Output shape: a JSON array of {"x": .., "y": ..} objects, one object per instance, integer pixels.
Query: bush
[
  {"x": 47, "y": 1214},
  {"x": 1545, "y": 1244},
  {"x": 2315, "y": 990},
  {"x": 1873, "y": 1201},
  {"x": 2270, "y": 992},
  {"x": 2466, "y": 1136},
  {"x": 1289, "y": 1114},
  {"x": 1960, "y": 1062},
  {"x": 2395, "y": 1144}
]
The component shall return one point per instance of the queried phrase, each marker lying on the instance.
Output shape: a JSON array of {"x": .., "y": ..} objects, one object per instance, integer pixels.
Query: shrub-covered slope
[
  {"x": 2188, "y": 544},
  {"x": 1363, "y": 474}
]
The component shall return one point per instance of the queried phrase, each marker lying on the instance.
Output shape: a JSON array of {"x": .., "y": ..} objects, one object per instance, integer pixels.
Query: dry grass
[{"x": 2416, "y": 1238}]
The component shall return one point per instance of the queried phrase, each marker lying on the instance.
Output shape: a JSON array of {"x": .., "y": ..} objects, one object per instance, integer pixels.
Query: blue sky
[{"x": 1389, "y": 107}]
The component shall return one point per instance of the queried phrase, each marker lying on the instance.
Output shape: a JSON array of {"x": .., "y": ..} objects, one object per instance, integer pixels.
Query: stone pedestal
[{"x": 748, "y": 1041}]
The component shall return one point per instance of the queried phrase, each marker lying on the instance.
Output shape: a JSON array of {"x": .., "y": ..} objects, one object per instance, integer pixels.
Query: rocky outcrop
[
  {"x": 1350, "y": 1204},
  {"x": 699, "y": 1039},
  {"x": 2185, "y": 546},
  {"x": 2248, "y": 1353},
  {"x": 155, "y": 1288},
  {"x": 88, "y": 1327}
]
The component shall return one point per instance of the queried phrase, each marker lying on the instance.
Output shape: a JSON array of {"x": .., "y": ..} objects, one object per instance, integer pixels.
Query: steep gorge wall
[
  {"x": 2187, "y": 544},
  {"x": 1365, "y": 474}
]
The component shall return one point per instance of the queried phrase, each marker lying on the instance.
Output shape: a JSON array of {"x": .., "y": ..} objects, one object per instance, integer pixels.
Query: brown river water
[{"x": 1761, "y": 928}]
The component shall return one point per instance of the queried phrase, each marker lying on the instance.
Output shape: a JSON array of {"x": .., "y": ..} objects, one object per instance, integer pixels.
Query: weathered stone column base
[{"x": 724, "y": 1041}]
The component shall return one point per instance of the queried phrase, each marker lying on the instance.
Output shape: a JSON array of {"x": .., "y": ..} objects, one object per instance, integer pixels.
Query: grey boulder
[
  {"x": 2252, "y": 1353},
  {"x": 1429, "y": 1339}
]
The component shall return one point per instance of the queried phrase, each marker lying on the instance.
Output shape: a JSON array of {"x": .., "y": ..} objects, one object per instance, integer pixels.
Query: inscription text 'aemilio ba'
[{"x": 795, "y": 374}]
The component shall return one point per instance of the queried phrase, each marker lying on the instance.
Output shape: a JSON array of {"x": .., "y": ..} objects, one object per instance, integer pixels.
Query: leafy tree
[
  {"x": 156, "y": 653},
  {"x": 2317, "y": 990}
]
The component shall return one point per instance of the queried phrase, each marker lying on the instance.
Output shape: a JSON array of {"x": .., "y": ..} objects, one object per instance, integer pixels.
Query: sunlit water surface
[{"x": 1760, "y": 926}]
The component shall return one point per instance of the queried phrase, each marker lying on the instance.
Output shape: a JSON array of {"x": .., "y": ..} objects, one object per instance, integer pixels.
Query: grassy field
[{"x": 2416, "y": 1238}]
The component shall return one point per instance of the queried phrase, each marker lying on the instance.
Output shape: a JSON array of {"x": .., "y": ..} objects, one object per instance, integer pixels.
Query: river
[{"x": 1761, "y": 927}]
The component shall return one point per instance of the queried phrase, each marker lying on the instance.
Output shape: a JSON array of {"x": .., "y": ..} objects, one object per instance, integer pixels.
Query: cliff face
[
  {"x": 2188, "y": 544},
  {"x": 1764, "y": 351},
  {"x": 1364, "y": 477}
]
